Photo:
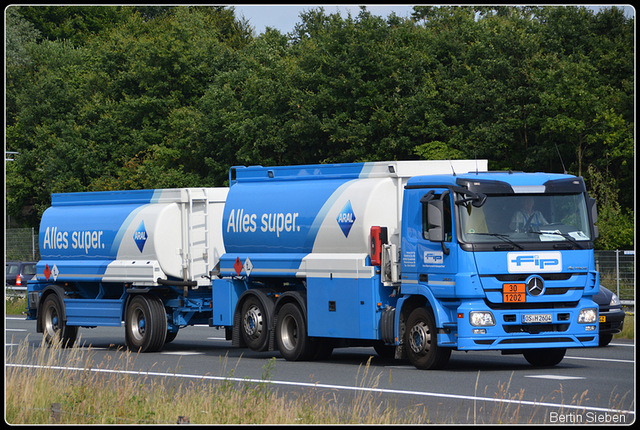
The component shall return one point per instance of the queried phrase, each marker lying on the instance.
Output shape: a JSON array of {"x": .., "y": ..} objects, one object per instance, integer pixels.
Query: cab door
[{"x": 429, "y": 252}]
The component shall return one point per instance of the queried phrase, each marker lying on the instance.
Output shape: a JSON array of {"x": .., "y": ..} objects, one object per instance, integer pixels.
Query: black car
[
  {"x": 611, "y": 315},
  {"x": 19, "y": 272}
]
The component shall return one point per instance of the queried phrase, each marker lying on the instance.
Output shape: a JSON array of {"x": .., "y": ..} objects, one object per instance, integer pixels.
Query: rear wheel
[
  {"x": 54, "y": 325},
  {"x": 291, "y": 334},
  {"x": 145, "y": 324},
  {"x": 544, "y": 357},
  {"x": 421, "y": 341}
]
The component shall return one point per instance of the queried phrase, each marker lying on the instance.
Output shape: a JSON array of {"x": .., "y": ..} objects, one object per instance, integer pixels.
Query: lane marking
[
  {"x": 558, "y": 377},
  {"x": 617, "y": 360},
  {"x": 328, "y": 386},
  {"x": 182, "y": 353}
]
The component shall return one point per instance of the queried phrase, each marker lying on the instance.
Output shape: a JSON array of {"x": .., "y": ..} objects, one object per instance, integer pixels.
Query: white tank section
[
  {"x": 182, "y": 238},
  {"x": 377, "y": 201}
]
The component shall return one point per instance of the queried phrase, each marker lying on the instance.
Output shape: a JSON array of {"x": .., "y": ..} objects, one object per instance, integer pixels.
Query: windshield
[{"x": 524, "y": 218}]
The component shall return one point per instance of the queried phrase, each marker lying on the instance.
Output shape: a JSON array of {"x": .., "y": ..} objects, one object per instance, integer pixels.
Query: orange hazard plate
[{"x": 514, "y": 293}]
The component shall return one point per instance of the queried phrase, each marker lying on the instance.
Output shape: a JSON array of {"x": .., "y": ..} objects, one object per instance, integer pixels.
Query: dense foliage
[{"x": 101, "y": 98}]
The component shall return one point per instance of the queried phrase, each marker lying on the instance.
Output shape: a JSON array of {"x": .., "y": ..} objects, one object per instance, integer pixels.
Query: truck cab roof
[{"x": 503, "y": 182}]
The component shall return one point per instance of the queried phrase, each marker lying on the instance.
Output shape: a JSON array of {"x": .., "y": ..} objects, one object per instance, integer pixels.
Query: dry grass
[{"x": 87, "y": 396}]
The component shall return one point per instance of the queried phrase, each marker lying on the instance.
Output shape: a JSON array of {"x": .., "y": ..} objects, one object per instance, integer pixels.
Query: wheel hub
[
  {"x": 253, "y": 321},
  {"x": 289, "y": 333},
  {"x": 419, "y": 338}
]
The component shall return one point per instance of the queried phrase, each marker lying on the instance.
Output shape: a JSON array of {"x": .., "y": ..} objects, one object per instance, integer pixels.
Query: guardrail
[{"x": 15, "y": 290}]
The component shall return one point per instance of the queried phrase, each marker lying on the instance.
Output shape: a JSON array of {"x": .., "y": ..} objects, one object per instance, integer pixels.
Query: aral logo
[
  {"x": 534, "y": 262},
  {"x": 140, "y": 236},
  {"x": 346, "y": 218}
]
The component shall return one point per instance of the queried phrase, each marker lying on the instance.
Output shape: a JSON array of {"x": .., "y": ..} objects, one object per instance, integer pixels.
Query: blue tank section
[{"x": 72, "y": 228}]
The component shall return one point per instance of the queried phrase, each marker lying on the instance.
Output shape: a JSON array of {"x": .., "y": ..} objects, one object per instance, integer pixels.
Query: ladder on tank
[{"x": 198, "y": 236}]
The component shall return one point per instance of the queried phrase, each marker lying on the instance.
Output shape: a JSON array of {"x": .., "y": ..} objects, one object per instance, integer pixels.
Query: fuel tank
[{"x": 132, "y": 236}]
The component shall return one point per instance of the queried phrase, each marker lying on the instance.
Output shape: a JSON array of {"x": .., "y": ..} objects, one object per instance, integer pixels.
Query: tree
[{"x": 160, "y": 96}]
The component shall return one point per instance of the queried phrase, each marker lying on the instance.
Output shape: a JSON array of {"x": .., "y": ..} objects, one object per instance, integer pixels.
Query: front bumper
[{"x": 558, "y": 328}]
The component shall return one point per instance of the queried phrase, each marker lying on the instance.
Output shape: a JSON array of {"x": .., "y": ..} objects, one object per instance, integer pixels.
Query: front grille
[
  {"x": 521, "y": 277},
  {"x": 525, "y": 306}
]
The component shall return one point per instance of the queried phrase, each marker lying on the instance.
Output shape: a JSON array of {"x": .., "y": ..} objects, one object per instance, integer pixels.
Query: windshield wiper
[
  {"x": 565, "y": 235},
  {"x": 501, "y": 236}
]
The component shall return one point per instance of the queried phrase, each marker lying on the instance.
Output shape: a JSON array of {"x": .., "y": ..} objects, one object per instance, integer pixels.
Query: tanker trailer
[{"x": 144, "y": 257}]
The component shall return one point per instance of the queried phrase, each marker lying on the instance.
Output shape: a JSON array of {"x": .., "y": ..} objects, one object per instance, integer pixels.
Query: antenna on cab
[{"x": 560, "y": 157}]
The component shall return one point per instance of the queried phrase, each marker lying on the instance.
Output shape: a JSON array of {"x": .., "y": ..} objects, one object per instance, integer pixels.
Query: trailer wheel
[
  {"x": 422, "y": 343},
  {"x": 145, "y": 324},
  {"x": 545, "y": 357},
  {"x": 254, "y": 324},
  {"x": 291, "y": 334},
  {"x": 54, "y": 326}
]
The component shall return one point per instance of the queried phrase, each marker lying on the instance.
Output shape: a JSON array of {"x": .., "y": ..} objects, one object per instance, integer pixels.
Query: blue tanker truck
[{"x": 413, "y": 258}]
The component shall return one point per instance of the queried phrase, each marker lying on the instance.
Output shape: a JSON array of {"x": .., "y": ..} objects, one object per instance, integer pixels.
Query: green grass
[{"x": 15, "y": 305}]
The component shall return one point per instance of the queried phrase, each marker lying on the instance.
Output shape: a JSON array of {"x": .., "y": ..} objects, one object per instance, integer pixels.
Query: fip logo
[
  {"x": 534, "y": 262},
  {"x": 140, "y": 236},
  {"x": 433, "y": 257},
  {"x": 346, "y": 218}
]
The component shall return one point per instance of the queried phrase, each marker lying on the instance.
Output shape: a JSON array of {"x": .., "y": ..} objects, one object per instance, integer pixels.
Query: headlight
[
  {"x": 615, "y": 301},
  {"x": 588, "y": 316},
  {"x": 481, "y": 319}
]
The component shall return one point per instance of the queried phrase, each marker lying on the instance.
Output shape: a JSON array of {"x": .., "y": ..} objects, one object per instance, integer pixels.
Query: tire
[
  {"x": 145, "y": 324},
  {"x": 55, "y": 328},
  {"x": 544, "y": 357},
  {"x": 254, "y": 324},
  {"x": 421, "y": 341},
  {"x": 291, "y": 334}
]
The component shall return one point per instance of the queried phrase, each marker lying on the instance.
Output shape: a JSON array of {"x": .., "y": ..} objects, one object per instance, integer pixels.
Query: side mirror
[
  {"x": 435, "y": 213},
  {"x": 594, "y": 216}
]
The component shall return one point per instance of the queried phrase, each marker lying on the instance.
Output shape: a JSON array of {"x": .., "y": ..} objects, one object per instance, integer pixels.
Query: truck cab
[{"x": 505, "y": 261}]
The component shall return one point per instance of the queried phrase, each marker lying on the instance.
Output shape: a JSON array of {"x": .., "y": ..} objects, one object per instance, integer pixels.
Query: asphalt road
[{"x": 594, "y": 385}]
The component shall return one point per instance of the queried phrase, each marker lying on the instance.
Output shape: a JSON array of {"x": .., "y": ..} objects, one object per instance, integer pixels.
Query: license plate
[
  {"x": 514, "y": 293},
  {"x": 603, "y": 318},
  {"x": 537, "y": 318}
]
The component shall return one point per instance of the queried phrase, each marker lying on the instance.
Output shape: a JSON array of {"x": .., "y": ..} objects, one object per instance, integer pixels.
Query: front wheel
[
  {"x": 145, "y": 324},
  {"x": 421, "y": 341},
  {"x": 53, "y": 324},
  {"x": 291, "y": 334}
]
